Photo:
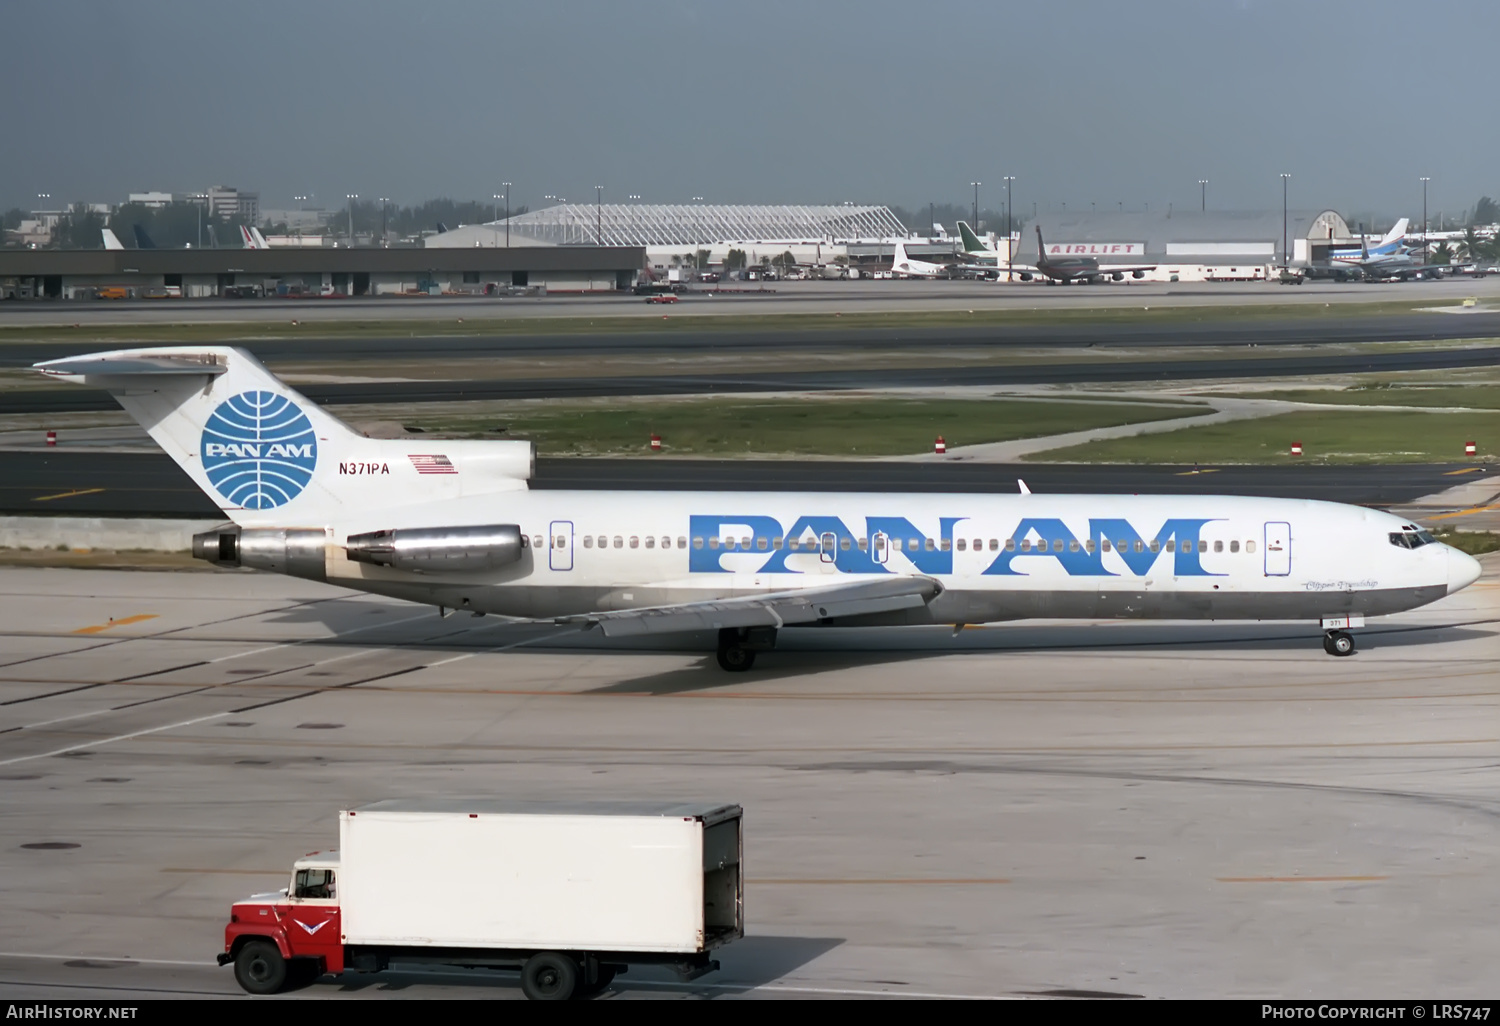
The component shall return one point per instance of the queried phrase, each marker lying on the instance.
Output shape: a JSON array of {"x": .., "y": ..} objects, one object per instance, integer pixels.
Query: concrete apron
[{"x": 106, "y": 533}]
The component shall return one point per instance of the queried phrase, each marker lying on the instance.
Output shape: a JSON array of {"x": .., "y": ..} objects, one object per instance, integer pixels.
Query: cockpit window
[{"x": 1410, "y": 539}]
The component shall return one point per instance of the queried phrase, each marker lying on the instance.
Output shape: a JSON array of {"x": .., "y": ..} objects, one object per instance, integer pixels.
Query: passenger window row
[{"x": 1410, "y": 538}]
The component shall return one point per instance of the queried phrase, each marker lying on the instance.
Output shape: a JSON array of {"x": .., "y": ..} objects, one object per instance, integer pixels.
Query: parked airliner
[
  {"x": 1064, "y": 269},
  {"x": 454, "y": 524}
]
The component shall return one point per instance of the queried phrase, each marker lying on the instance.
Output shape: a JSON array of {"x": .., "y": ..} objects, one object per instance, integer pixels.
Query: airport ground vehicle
[
  {"x": 569, "y": 893},
  {"x": 663, "y": 297}
]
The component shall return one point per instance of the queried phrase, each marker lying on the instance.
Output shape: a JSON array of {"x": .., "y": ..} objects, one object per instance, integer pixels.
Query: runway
[
  {"x": 1154, "y": 810},
  {"x": 149, "y": 484},
  {"x": 75, "y": 399}
]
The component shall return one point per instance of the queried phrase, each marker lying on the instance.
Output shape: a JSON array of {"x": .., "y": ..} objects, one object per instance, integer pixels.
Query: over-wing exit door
[{"x": 560, "y": 545}]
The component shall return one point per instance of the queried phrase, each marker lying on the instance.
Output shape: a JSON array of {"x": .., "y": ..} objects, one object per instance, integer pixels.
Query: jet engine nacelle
[
  {"x": 295, "y": 551},
  {"x": 1118, "y": 276},
  {"x": 1137, "y": 274},
  {"x": 1025, "y": 276},
  {"x": 440, "y": 549}
]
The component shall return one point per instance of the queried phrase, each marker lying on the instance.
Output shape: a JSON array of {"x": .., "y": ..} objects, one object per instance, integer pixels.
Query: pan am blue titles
[{"x": 455, "y": 525}]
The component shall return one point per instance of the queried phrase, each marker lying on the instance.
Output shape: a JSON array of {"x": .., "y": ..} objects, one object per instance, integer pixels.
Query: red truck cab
[{"x": 292, "y": 933}]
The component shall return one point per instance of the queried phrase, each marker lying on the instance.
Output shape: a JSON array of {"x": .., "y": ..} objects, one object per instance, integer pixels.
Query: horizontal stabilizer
[
  {"x": 95, "y": 366},
  {"x": 772, "y": 610}
]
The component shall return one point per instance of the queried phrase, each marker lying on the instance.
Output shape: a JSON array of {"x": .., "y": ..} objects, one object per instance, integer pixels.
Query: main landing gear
[
  {"x": 1338, "y": 643},
  {"x": 738, "y": 645}
]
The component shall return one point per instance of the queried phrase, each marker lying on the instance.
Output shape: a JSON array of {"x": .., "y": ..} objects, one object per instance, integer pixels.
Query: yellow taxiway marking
[
  {"x": 1464, "y": 512},
  {"x": 1300, "y": 879},
  {"x": 67, "y": 495},
  {"x": 96, "y": 628},
  {"x": 1195, "y": 470},
  {"x": 1466, "y": 470}
]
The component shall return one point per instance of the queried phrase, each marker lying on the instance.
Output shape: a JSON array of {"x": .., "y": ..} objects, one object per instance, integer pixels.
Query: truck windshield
[{"x": 314, "y": 883}]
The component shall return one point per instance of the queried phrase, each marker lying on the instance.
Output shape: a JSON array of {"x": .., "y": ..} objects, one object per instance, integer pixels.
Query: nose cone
[{"x": 1463, "y": 570}]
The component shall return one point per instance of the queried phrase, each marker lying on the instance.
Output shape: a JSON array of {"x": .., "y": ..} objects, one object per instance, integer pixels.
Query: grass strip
[
  {"x": 1327, "y": 436},
  {"x": 808, "y": 427}
]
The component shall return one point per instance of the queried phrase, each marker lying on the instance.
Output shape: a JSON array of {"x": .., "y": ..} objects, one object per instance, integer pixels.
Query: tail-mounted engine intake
[
  {"x": 296, "y": 551},
  {"x": 440, "y": 549}
]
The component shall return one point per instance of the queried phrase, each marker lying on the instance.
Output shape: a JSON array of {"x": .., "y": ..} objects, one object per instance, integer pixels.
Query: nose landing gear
[{"x": 1338, "y": 643}]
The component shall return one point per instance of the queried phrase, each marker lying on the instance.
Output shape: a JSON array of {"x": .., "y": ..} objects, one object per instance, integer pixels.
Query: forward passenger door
[{"x": 1278, "y": 549}]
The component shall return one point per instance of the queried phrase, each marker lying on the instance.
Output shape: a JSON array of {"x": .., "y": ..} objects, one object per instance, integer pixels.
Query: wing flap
[{"x": 775, "y": 609}]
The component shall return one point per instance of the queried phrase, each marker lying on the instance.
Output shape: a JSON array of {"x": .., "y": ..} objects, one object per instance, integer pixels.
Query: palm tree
[
  {"x": 1443, "y": 253},
  {"x": 1469, "y": 248}
]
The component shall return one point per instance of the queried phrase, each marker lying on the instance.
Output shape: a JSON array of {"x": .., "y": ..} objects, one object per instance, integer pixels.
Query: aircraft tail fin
[
  {"x": 260, "y": 240},
  {"x": 442, "y": 228},
  {"x": 1041, "y": 248},
  {"x": 1396, "y": 234},
  {"x": 142, "y": 240},
  {"x": 111, "y": 240},
  {"x": 246, "y": 240},
  {"x": 270, "y": 457},
  {"x": 1364, "y": 244},
  {"x": 972, "y": 242}
]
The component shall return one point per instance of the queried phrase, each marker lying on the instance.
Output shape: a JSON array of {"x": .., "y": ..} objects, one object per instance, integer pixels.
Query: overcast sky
[{"x": 887, "y": 101}]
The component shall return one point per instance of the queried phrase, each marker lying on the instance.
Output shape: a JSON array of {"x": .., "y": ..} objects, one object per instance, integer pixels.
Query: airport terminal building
[{"x": 148, "y": 273}]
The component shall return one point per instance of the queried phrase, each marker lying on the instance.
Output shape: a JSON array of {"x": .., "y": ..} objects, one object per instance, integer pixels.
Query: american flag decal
[{"x": 433, "y": 465}]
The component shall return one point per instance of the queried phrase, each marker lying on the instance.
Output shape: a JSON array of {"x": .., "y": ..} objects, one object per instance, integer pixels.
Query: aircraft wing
[{"x": 774, "y": 609}]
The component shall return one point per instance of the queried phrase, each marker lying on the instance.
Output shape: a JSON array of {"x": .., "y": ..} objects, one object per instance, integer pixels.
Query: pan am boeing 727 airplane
[{"x": 454, "y": 524}]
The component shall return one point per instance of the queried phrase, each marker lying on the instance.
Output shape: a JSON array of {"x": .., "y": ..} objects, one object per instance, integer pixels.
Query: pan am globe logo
[{"x": 259, "y": 450}]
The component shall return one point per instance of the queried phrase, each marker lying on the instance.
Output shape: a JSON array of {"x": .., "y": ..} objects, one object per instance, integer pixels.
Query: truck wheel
[
  {"x": 549, "y": 977},
  {"x": 259, "y": 968}
]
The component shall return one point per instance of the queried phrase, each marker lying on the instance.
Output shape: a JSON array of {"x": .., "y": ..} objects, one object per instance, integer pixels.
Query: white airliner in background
[
  {"x": 905, "y": 266},
  {"x": 455, "y": 525}
]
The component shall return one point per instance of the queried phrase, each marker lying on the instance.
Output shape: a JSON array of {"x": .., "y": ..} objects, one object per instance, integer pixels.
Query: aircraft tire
[
  {"x": 1338, "y": 643},
  {"x": 735, "y": 659}
]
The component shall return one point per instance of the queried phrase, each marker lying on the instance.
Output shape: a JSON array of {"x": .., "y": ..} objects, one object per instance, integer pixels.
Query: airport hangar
[
  {"x": 70, "y": 274},
  {"x": 815, "y": 235},
  {"x": 1190, "y": 246}
]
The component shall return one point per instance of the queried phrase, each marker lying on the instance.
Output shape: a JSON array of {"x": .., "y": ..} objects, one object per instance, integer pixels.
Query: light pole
[
  {"x": 384, "y": 237},
  {"x": 1010, "y": 256},
  {"x": 1424, "y": 220},
  {"x": 598, "y": 215},
  {"x": 351, "y": 197},
  {"x": 1203, "y": 195},
  {"x": 507, "y": 214},
  {"x": 1284, "y": 179},
  {"x": 976, "y": 203}
]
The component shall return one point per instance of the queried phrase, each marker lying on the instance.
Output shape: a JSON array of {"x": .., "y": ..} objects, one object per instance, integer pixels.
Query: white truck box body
[{"x": 579, "y": 876}]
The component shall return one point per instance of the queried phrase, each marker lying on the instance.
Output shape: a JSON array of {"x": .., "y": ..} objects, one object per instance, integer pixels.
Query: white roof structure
[{"x": 688, "y": 224}]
